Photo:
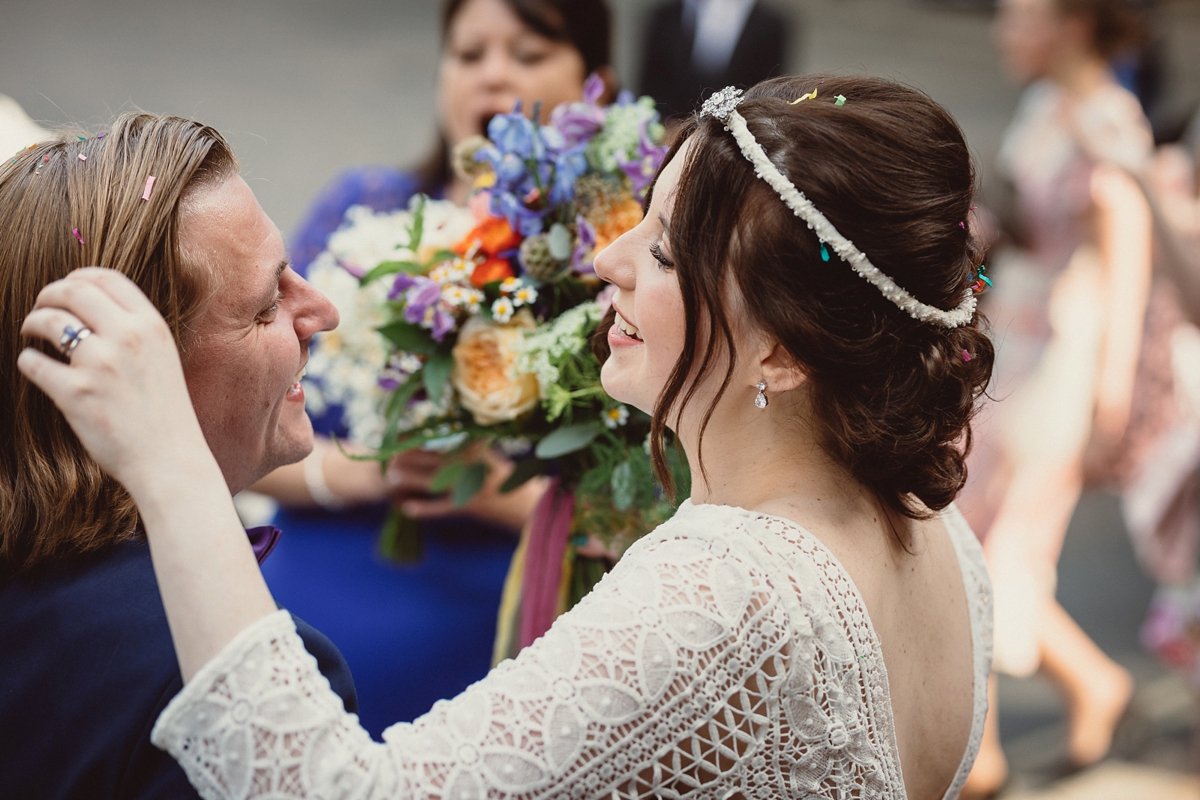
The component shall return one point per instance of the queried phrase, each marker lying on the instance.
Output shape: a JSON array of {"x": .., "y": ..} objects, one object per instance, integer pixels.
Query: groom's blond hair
[{"x": 65, "y": 203}]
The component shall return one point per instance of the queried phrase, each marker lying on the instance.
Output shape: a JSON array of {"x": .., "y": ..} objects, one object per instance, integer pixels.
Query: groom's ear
[{"x": 780, "y": 370}]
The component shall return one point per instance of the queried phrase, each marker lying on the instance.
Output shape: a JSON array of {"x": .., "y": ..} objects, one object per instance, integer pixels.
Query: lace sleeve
[{"x": 663, "y": 682}]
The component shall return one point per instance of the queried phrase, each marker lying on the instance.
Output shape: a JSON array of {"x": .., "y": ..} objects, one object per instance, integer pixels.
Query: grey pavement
[{"x": 304, "y": 88}]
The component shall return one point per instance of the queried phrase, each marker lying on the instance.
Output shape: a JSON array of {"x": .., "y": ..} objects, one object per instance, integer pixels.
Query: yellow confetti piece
[{"x": 810, "y": 96}]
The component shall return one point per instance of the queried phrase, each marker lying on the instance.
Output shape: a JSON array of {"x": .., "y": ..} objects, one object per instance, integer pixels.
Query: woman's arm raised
[{"x": 124, "y": 395}]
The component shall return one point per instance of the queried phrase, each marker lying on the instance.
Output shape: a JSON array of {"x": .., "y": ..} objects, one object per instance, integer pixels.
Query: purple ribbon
[{"x": 263, "y": 539}]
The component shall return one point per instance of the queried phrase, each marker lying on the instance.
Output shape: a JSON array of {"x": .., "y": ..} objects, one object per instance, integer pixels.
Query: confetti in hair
[
  {"x": 77, "y": 234},
  {"x": 82, "y": 157},
  {"x": 150, "y": 179}
]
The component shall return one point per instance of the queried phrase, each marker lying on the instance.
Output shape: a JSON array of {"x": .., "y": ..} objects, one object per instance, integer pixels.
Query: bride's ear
[{"x": 780, "y": 370}]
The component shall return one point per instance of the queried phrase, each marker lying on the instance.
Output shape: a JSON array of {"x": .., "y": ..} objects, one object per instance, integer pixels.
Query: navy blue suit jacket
[{"x": 86, "y": 666}]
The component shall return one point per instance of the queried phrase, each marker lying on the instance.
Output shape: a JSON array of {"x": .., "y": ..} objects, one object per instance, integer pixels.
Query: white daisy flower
[
  {"x": 615, "y": 417},
  {"x": 502, "y": 310}
]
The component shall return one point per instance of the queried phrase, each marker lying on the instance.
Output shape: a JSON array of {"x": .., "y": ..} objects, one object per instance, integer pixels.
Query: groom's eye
[{"x": 268, "y": 313}]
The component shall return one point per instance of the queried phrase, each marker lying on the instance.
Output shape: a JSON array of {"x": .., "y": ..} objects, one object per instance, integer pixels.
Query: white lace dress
[{"x": 728, "y": 655}]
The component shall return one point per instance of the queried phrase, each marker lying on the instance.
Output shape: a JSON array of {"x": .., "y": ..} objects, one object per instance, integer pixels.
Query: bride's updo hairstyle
[{"x": 891, "y": 396}]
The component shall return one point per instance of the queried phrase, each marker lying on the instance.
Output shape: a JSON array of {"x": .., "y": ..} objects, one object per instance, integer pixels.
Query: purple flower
[
  {"x": 644, "y": 166},
  {"x": 419, "y": 294},
  {"x": 443, "y": 323},
  {"x": 587, "y": 240},
  {"x": 401, "y": 285},
  {"x": 579, "y": 122}
]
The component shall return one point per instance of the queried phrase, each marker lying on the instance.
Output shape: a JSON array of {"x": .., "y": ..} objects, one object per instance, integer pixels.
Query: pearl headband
[{"x": 722, "y": 106}]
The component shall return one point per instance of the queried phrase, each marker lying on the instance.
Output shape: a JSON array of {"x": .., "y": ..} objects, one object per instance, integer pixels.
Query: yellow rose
[{"x": 485, "y": 371}]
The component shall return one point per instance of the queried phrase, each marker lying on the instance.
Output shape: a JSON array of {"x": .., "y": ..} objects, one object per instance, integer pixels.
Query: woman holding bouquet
[
  {"x": 797, "y": 307},
  {"x": 422, "y": 632}
]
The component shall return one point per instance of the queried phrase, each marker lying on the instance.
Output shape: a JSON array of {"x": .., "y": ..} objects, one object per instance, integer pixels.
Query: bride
[{"x": 796, "y": 306}]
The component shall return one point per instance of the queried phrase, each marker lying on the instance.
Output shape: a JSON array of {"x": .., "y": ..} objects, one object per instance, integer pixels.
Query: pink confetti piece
[
  {"x": 966, "y": 356},
  {"x": 150, "y": 179},
  {"x": 101, "y": 135},
  {"x": 77, "y": 236},
  {"x": 961, "y": 225},
  {"x": 82, "y": 157}
]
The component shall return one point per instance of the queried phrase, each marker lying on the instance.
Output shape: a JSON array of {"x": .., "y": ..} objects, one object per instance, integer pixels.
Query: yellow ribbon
[{"x": 810, "y": 96}]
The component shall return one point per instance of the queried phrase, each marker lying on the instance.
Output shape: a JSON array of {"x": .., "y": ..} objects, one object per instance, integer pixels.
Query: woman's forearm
[
  {"x": 1124, "y": 234},
  {"x": 207, "y": 574}
]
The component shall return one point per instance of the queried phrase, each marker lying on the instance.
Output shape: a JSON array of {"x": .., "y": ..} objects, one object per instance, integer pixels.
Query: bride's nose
[{"x": 614, "y": 263}]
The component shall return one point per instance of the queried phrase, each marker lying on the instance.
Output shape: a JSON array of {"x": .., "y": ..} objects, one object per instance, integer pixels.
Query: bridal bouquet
[{"x": 470, "y": 327}]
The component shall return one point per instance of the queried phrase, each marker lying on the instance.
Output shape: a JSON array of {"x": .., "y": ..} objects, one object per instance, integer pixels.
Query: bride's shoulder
[{"x": 701, "y": 536}]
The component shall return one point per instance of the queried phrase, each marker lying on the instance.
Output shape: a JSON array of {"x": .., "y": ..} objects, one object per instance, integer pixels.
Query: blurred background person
[
  {"x": 1083, "y": 371},
  {"x": 695, "y": 47},
  {"x": 432, "y": 622}
]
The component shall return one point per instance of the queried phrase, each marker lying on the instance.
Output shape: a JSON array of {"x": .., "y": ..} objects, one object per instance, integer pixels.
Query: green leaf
[
  {"x": 418, "y": 227},
  {"x": 526, "y": 470},
  {"x": 408, "y": 337},
  {"x": 391, "y": 268},
  {"x": 559, "y": 241},
  {"x": 567, "y": 439},
  {"x": 624, "y": 487},
  {"x": 442, "y": 255},
  {"x": 469, "y": 484},
  {"x": 437, "y": 373},
  {"x": 446, "y": 477}
]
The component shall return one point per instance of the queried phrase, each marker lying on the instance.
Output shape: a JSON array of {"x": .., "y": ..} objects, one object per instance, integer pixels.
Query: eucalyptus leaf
[
  {"x": 567, "y": 439},
  {"x": 446, "y": 477},
  {"x": 391, "y": 268},
  {"x": 417, "y": 231},
  {"x": 559, "y": 241},
  {"x": 469, "y": 484},
  {"x": 525, "y": 470},
  {"x": 437, "y": 373},
  {"x": 624, "y": 486},
  {"x": 408, "y": 337}
]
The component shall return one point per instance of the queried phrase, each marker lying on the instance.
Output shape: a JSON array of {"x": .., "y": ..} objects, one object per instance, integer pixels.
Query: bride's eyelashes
[{"x": 660, "y": 257}]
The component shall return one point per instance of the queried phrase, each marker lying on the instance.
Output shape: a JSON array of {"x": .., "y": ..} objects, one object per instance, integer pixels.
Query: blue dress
[{"x": 412, "y": 634}]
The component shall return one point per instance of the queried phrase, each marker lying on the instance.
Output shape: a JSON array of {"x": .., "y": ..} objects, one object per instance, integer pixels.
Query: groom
[{"x": 86, "y": 658}]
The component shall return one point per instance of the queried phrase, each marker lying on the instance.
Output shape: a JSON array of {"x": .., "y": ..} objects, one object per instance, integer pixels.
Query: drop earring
[{"x": 760, "y": 400}]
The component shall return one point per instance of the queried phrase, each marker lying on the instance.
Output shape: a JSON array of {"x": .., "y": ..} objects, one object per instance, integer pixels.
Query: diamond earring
[{"x": 760, "y": 400}]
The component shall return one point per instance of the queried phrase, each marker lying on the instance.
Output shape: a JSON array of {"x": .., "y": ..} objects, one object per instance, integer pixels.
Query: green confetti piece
[{"x": 841, "y": 100}]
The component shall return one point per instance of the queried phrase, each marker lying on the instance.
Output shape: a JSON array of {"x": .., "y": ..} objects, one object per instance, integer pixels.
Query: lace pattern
[{"x": 727, "y": 654}]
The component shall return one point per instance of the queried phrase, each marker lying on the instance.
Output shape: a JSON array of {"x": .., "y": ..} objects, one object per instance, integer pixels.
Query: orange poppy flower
[
  {"x": 493, "y": 235},
  {"x": 493, "y": 269}
]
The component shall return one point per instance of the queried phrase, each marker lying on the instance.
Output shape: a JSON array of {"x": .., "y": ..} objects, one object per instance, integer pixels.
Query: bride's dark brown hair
[{"x": 892, "y": 397}]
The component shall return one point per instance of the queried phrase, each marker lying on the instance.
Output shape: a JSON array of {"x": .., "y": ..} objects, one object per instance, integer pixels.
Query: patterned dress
[
  {"x": 1050, "y": 326},
  {"x": 728, "y": 654}
]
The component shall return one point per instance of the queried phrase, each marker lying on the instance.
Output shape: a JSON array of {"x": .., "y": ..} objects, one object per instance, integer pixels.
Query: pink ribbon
[{"x": 549, "y": 531}]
